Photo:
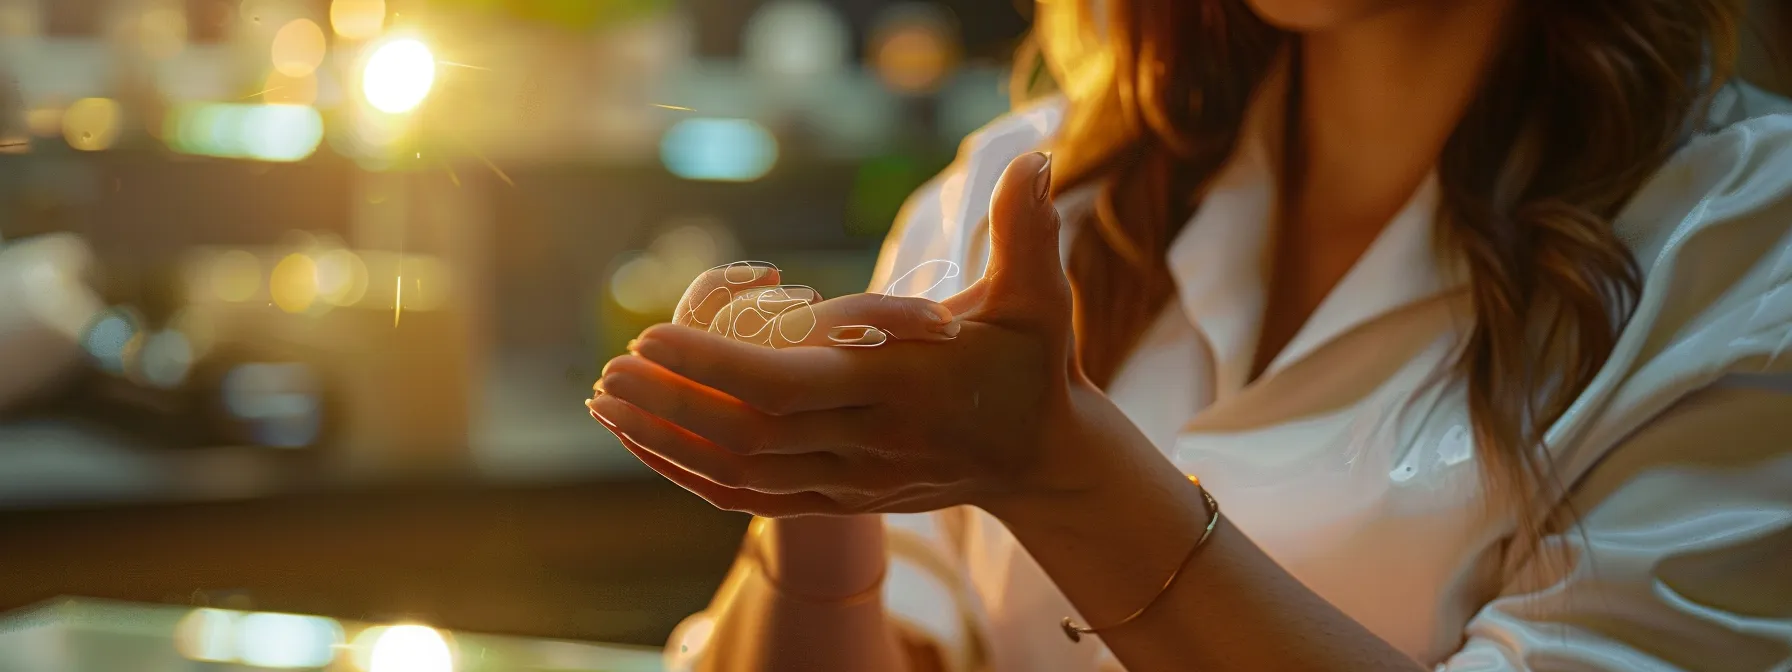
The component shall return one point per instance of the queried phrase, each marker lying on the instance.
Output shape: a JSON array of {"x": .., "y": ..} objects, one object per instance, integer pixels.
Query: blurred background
[{"x": 299, "y": 300}]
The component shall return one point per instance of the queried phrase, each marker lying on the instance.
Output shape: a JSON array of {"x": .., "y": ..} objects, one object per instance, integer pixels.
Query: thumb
[{"x": 1023, "y": 234}]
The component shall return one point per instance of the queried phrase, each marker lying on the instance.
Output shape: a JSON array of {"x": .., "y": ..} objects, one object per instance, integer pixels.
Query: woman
[{"x": 1468, "y": 312}]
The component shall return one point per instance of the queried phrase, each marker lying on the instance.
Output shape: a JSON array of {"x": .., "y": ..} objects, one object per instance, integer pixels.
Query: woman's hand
[
  {"x": 744, "y": 301},
  {"x": 996, "y": 413}
]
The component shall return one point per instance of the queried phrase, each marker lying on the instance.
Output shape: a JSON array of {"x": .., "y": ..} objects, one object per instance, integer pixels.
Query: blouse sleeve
[{"x": 1683, "y": 556}]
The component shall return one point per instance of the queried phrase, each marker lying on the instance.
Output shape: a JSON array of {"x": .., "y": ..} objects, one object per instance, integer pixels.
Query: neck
[{"x": 1380, "y": 97}]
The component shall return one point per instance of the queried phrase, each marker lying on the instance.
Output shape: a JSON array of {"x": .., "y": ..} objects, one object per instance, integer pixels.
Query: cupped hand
[{"x": 997, "y": 412}]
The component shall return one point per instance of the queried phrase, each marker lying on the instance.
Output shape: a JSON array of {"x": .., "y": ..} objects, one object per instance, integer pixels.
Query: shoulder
[
  {"x": 1712, "y": 232},
  {"x": 942, "y": 220}
]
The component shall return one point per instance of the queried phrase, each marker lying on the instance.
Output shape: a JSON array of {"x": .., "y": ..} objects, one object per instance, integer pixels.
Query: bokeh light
[
  {"x": 728, "y": 150},
  {"x": 398, "y": 76},
  {"x": 640, "y": 284},
  {"x": 165, "y": 359},
  {"x": 91, "y": 124},
  {"x": 284, "y": 89},
  {"x": 410, "y": 648},
  {"x": 108, "y": 338},
  {"x": 287, "y": 641},
  {"x": 207, "y": 635},
  {"x": 235, "y": 276},
  {"x": 795, "y": 39},
  {"x": 298, "y": 48},
  {"x": 914, "y": 48},
  {"x": 262, "y": 132},
  {"x": 293, "y": 284},
  {"x": 358, "y": 19},
  {"x": 341, "y": 277}
]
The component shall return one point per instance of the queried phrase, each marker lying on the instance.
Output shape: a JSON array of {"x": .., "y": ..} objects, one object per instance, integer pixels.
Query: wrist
[
  {"x": 1096, "y": 463},
  {"x": 826, "y": 556}
]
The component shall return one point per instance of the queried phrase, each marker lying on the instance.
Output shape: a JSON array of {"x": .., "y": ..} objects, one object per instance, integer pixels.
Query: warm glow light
[
  {"x": 91, "y": 124},
  {"x": 235, "y": 275},
  {"x": 410, "y": 648},
  {"x": 398, "y": 76},
  {"x": 293, "y": 285},
  {"x": 914, "y": 47},
  {"x": 298, "y": 48},
  {"x": 358, "y": 19}
]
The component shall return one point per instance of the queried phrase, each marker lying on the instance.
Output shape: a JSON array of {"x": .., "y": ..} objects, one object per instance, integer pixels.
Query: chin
[{"x": 1307, "y": 16}]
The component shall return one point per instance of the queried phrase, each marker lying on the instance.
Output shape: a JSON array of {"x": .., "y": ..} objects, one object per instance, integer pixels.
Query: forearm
[
  {"x": 1110, "y": 548},
  {"x": 760, "y": 625}
]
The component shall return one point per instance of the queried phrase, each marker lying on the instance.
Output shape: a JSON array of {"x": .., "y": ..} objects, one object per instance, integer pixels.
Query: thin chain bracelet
[{"x": 1075, "y": 632}]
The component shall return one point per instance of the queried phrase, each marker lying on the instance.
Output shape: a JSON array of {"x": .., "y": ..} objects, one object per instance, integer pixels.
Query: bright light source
[
  {"x": 727, "y": 150},
  {"x": 398, "y": 76},
  {"x": 410, "y": 648}
]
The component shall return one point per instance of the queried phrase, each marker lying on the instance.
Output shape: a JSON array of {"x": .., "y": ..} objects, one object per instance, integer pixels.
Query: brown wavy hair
[{"x": 1584, "y": 102}]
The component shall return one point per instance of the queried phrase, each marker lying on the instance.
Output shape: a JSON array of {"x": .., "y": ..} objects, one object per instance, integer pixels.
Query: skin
[{"x": 786, "y": 433}]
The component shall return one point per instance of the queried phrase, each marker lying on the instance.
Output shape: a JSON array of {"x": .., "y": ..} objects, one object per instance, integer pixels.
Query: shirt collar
[{"x": 1220, "y": 261}]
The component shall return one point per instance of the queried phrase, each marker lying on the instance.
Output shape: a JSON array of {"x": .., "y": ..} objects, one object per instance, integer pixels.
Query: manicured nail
[
  {"x": 1042, "y": 182},
  {"x": 950, "y": 329},
  {"x": 857, "y": 336},
  {"x": 939, "y": 314},
  {"x": 747, "y": 271}
]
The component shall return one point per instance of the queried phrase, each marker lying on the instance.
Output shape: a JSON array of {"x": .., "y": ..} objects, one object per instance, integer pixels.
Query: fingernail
[
  {"x": 857, "y": 335},
  {"x": 748, "y": 271},
  {"x": 939, "y": 314},
  {"x": 1042, "y": 182},
  {"x": 950, "y": 329},
  {"x": 631, "y": 345}
]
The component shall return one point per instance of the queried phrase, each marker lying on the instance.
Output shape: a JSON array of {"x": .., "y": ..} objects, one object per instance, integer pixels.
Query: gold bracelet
[
  {"x": 756, "y": 553},
  {"x": 1075, "y": 632}
]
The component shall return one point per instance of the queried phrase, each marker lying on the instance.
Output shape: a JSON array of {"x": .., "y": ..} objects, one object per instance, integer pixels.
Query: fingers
[
  {"x": 729, "y": 499},
  {"x": 713, "y": 291},
  {"x": 902, "y": 317},
  {"x": 718, "y": 418},
  {"x": 776, "y": 474},
  {"x": 1025, "y": 265},
  {"x": 774, "y": 381}
]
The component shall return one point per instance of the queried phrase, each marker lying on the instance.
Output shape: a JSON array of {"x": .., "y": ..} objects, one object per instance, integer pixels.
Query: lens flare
[{"x": 398, "y": 76}]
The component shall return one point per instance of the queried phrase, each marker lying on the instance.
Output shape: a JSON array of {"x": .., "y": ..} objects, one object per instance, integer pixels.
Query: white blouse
[{"x": 1351, "y": 461}]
